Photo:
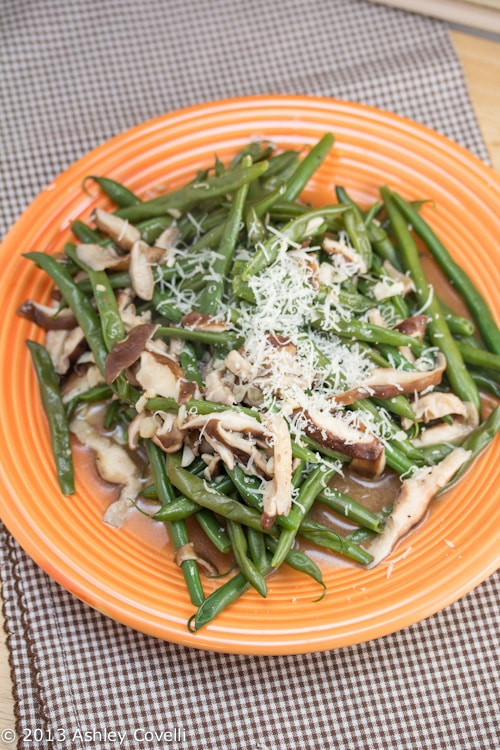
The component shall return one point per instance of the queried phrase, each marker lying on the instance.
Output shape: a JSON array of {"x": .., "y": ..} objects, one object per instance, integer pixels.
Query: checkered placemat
[{"x": 74, "y": 74}]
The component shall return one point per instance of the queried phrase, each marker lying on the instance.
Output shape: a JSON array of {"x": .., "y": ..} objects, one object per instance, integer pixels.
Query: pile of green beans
[{"x": 228, "y": 219}]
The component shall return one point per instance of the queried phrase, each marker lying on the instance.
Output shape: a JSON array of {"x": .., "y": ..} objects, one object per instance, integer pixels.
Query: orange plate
[{"x": 134, "y": 581}]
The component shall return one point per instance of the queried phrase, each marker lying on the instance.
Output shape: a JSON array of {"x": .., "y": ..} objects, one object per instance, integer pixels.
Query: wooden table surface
[{"x": 481, "y": 61}]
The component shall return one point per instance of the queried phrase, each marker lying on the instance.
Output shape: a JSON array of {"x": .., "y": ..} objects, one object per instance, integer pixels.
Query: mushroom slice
[
  {"x": 413, "y": 500},
  {"x": 80, "y": 380},
  {"x": 127, "y": 310},
  {"x": 369, "y": 469},
  {"x": 243, "y": 447},
  {"x": 202, "y": 322},
  {"x": 376, "y": 318},
  {"x": 386, "y": 288},
  {"x": 406, "y": 281},
  {"x": 235, "y": 436},
  {"x": 158, "y": 375},
  {"x": 386, "y": 382},
  {"x": 333, "y": 247},
  {"x": 334, "y": 433},
  {"x": 141, "y": 271},
  {"x": 167, "y": 241},
  {"x": 65, "y": 347},
  {"x": 413, "y": 326},
  {"x": 143, "y": 425},
  {"x": 217, "y": 389},
  {"x": 432, "y": 406},
  {"x": 46, "y": 317},
  {"x": 238, "y": 365},
  {"x": 113, "y": 465},
  {"x": 436, "y": 405},
  {"x": 188, "y": 552},
  {"x": 126, "y": 352},
  {"x": 120, "y": 231},
  {"x": 169, "y": 436},
  {"x": 277, "y": 497},
  {"x": 99, "y": 258}
]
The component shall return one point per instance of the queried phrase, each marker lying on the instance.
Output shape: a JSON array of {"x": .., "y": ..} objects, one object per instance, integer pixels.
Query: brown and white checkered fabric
[{"x": 74, "y": 73}]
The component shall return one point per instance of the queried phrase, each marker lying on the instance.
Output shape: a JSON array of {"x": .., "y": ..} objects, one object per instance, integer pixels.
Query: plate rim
[{"x": 482, "y": 170}]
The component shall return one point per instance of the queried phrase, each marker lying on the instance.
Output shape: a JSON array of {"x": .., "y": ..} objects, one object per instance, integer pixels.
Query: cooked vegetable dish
[{"x": 229, "y": 352}]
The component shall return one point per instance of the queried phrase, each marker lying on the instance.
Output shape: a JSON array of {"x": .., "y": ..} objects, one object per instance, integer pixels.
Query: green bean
[
  {"x": 308, "y": 166},
  {"x": 249, "y": 487},
  {"x": 312, "y": 486},
  {"x": 264, "y": 204},
  {"x": 295, "y": 231},
  {"x": 210, "y": 239},
  {"x": 220, "y": 599},
  {"x": 213, "y": 530},
  {"x": 236, "y": 586},
  {"x": 476, "y": 442},
  {"x": 88, "y": 235},
  {"x": 479, "y": 357},
  {"x": 198, "y": 490},
  {"x": 486, "y": 384},
  {"x": 396, "y": 405},
  {"x": 363, "y": 231},
  {"x": 184, "y": 507},
  {"x": 357, "y": 536},
  {"x": 284, "y": 210},
  {"x": 240, "y": 552},
  {"x": 185, "y": 197},
  {"x": 81, "y": 306},
  {"x": 223, "y": 339},
  {"x": 189, "y": 364},
  {"x": 195, "y": 406},
  {"x": 370, "y": 215},
  {"x": 282, "y": 166},
  {"x": 118, "y": 193},
  {"x": 299, "y": 561},
  {"x": 472, "y": 297},
  {"x": 355, "y": 228},
  {"x": 382, "y": 244},
  {"x": 257, "y": 547},
  {"x": 212, "y": 293},
  {"x": 151, "y": 229},
  {"x": 164, "y": 307},
  {"x": 255, "y": 227},
  {"x": 457, "y": 324},
  {"x": 177, "y": 529},
  {"x": 93, "y": 395},
  {"x": 177, "y": 510},
  {"x": 395, "y": 358},
  {"x": 362, "y": 331},
  {"x": 439, "y": 333},
  {"x": 256, "y": 150},
  {"x": 111, "y": 414},
  {"x": 118, "y": 280},
  {"x": 325, "y": 537},
  {"x": 55, "y": 412},
  {"x": 349, "y": 508},
  {"x": 112, "y": 326},
  {"x": 303, "y": 453}
]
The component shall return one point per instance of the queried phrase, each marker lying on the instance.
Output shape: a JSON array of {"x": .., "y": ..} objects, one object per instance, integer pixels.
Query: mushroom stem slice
[
  {"x": 413, "y": 500},
  {"x": 334, "y": 433},
  {"x": 99, "y": 258},
  {"x": 120, "y": 231},
  {"x": 126, "y": 352},
  {"x": 46, "y": 317},
  {"x": 141, "y": 271},
  {"x": 387, "y": 382},
  {"x": 277, "y": 497}
]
